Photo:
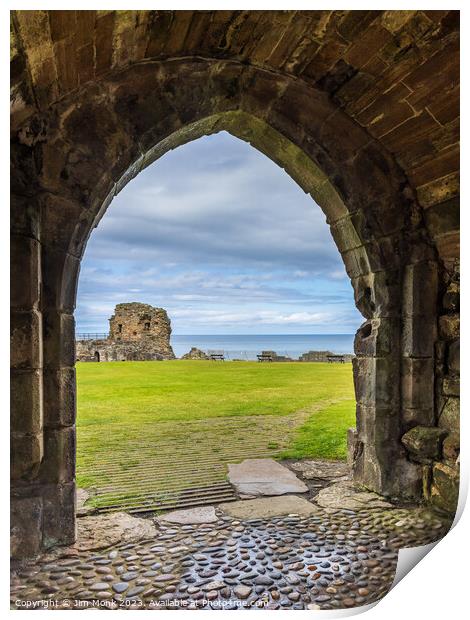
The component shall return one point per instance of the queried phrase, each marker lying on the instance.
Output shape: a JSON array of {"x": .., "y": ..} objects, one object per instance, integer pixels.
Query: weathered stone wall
[
  {"x": 104, "y": 351},
  {"x": 435, "y": 443},
  {"x": 443, "y": 479},
  {"x": 136, "y": 322},
  {"x": 137, "y": 332},
  {"x": 361, "y": 108}
]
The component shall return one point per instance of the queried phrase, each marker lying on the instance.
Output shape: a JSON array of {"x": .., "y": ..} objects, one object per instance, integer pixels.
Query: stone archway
[{"x": 73, "y": 157}]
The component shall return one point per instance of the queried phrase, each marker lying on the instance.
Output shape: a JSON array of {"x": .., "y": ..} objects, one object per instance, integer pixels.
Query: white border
[{"x": 437, "y": 587}]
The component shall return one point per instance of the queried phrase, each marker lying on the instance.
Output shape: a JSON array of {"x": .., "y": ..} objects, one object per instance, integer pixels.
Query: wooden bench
[
  {"x": 216, "y": 356},
  {"x": 335, "y": 358},
  {"x": 264, "y": 357}
]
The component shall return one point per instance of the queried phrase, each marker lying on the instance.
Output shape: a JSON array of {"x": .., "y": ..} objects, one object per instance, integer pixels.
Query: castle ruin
[{"x": 137, "y": 332}]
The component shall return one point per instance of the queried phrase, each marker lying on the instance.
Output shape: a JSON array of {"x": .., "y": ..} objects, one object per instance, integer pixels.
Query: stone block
[
  {"x": 449, "y": 418},
  {"x": 347, "y": 496},
  {"x": 59, "y": 397},
  {"x": 330, "y": 201},
  {"x": 377, "y": 426},
  {"x": 25, "y": 340},
  {"x": 420, "y": 251},
  {"x": 376, "y": 381},
  {"x": 449, "y": 326},
  {"x": 451, "y": 298},
  {"x": 453, "y": 359},
  {"x": 378, "y": 294},
  {"x": 387, "y": 293},
  {"x": 354, "y": 447},
  {"x": 422, "y": 416},
  {"x": 26, "y": 452},
  {"x": 440, "y": 349},
  {"x": 25, "y": 526},
  {"x": 420, "y": 284},
  {"x": 448, "y": 246},
  {"x": 60, "y": 273},
  {"x": 451, "y": 386},
  {"x": 424, "y": 443},
  {"x": 440, "y": 190},
  {"x": 364, "y": 296},
  {"x": 24, "y": 216},
  {"x": 59, "y": 214},
  {"x": 406, "y": 479},
  {"x": 225, "y": 82},
  {"x": 25, "y": 275},
  {"x": 443, "y": 218},
  {"x": 361, "y": 223},
  {"x": 451, "y": 447},
  {"x": 385, "y": 253},
  {"x": 26, "y": 414},
  {"x": 445, "y": 487},
  {"x": 367, "y": 471},
  {"x": 340, "y": 137},
  {"x": 295, "y": 107},
  {"x": 427, "y": 481},
  {"x": 58, "y": 465},
  {"x": 417, "y": 383},
  {"x": 59, "y": 340},
  {"x": 345, "y": 235},
  {"x": 356, "y": 262},
  {"x": 59, "y": 525},
  {"x": 419, "y": 335},
  {"x": 110, "y": 530},
  {"x": 377, "y": 338}
]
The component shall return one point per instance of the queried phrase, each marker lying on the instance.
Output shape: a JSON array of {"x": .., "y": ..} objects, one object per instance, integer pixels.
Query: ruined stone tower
[
  {"x": 134, "y": 322},
  {"x": 136, "y": 332}
]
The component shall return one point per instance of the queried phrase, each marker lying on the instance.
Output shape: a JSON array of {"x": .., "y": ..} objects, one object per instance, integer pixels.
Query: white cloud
[{"x": 219, "y": 235}]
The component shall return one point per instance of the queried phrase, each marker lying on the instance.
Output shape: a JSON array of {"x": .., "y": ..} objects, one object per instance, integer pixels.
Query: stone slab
[
  {"x": 106, "y": 530},
  {"x": 264, "y": 477},
  {"x": 324, "y": 470},
  {"x": 82, "y": 497},
  {"x": 202, "y": 514},
  {"x": 344, "y": 495},
  {"x": 265, "y": 507},
  {"x": 82, "y": 509}
]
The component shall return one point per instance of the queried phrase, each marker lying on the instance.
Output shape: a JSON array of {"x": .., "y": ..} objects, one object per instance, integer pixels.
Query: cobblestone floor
[{"x": 330, "y": 559}]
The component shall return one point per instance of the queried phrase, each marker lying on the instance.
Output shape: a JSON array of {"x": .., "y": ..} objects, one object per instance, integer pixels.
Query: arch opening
[
  {"x": 357, "y": 184},
  {"x": 373, "y": 265},
  {"x": 257, "y": 213}
]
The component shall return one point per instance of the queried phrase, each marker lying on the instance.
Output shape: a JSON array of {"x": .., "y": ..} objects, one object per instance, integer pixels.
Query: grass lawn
[
  {"x": 138, "y": 420},
  {"x": 323, "y": 434}
]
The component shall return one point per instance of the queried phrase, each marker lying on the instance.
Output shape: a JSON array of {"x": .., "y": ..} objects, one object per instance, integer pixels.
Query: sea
[{"x": 246, "y": 347}]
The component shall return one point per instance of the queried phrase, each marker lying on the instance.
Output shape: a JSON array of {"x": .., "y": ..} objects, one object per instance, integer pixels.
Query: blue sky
[{"x": 225, "y": 241}]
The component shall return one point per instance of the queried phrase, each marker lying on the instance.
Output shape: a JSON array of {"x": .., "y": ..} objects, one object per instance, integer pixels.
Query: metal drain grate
[
  {"x": 164, "y": 466},
  {"x": 188, "y": 498}
]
